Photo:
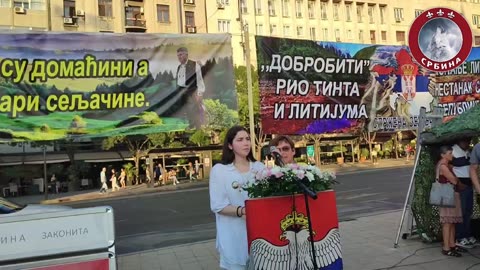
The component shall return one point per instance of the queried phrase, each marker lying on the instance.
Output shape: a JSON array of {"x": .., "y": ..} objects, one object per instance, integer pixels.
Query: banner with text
[
  {"x": 60, "y": 85},
  {"x": 459, "y": 90},
  {"x": 326, "y": 87}
]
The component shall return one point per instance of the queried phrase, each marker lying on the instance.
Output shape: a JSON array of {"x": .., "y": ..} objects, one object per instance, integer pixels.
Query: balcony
[
  {"x": 190, "y": 29},
  {"x": 135, "y": 25}
]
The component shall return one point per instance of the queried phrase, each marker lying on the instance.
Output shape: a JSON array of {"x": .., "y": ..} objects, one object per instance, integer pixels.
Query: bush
[{"x": 364, "y": 152}]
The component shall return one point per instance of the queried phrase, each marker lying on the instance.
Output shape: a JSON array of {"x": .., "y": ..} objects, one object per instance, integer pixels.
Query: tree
[
  {"x": 243, "y": 110},
  {"x": 138, "y": 147},
  {"x": 219, "y": 116},
  {"x": 200, "y": 138},
  {"x": 370, "y": 139}
]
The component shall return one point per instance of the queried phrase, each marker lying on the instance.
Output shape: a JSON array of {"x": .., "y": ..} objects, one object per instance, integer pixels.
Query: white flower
[{"x": 310, "y": 176}]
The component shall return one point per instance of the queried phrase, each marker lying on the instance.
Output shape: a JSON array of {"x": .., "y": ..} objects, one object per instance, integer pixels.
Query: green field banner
[{"x": 55, "y": 86}]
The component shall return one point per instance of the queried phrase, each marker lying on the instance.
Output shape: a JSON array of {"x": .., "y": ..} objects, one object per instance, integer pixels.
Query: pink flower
[
  {"x": 300, "y": 174},
  {"x": 278, "y": 174}
]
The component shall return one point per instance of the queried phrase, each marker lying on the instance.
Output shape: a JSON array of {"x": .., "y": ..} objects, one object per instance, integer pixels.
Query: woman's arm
[
  {"x": 448, "y": 174},
  {"x": 219, "y": 202}
]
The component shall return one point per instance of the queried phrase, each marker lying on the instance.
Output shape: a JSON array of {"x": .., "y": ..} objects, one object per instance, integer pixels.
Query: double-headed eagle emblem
[{"x": 296, "y": 253}]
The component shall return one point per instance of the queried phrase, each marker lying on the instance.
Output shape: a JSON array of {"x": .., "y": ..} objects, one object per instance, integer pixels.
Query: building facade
[
  {"x": 115, "y": 16},
  {"x": 367, "y": 21}
]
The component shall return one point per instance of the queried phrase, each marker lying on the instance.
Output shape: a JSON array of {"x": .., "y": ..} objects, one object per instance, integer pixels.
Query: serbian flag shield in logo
[{"x": 278, "y": 233}]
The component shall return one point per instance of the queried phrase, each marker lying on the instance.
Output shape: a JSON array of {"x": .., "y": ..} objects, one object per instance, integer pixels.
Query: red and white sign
[
  {"x": 277, "y": 229},
  {"x": 440, "y": 39}
]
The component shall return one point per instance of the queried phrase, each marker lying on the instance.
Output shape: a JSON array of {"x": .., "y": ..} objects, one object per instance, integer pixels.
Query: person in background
[
  {"x": 449, "y": 216},
  {"x": 157, "y": 174},
  {"x": 122, "y": 177},
  {"x": 374, "y": 156},
  {"x": 227, "y": 198},
  {"x": 286, "y": 148},
  {"x": 114, "y": 180},
  {"x": 103, "y": 180},
  {"x": 461, "y": 169}
]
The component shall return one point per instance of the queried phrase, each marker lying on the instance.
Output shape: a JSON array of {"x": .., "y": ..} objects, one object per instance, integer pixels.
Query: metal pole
[
  {"x": 250, "y": 88},
  {"x": 407, "y": 199},
  {"x": 246, "y": 35},
  {"x": 45, "y": 183}
]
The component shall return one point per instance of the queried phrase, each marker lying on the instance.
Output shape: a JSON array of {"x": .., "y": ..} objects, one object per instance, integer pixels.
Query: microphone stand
[{"x": 307, "y": 192}]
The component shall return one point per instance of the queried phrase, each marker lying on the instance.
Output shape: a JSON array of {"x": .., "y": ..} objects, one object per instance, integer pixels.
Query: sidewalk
[
  {"x": 367, "y": 244},
  {"x": 93, "y": 194}
]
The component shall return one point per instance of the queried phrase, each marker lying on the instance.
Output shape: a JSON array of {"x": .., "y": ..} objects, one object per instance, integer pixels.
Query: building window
[
  {"x": 360, "y": 35},
  {"x": 371, "y": 14},
  {"x": 337, "y": 35},
  {"x": 323, "y": 10},
  {"x": 223, "y": 26},
  {"x": 400, "y": 36},
  {"x": 189, "y": 18},
  {"x": 259, "y": 28},
  {"x": 243, "y": 6},
  {"x": 383, "y": 12},
  {"x": 475, "y": 19},
  {"x": 5, "y": 3},
  {"x": 286, "y": 30},
  {"x": 163, "y": 13},
  {"x": 349, "y": 34},
  {"x": 273, "y": 29},
  {"x": 38, "y": 4},
  {"x": 418, "y": 12},
  {"x": 105, "y": 8},
  {"x": 285, "y": 8},
  {"x": 325, "y": 33},
  {"x": 311, "y": 9},
  {"x": 336, "y": 7},
  {"x": 313, "y": 34},
  {"x": 298, "y": 8},
  {"x": 373, "y": 38},
  {"x": 384, "y": 36},
  {"x": 398, "y": 14},
  {"x": 300, "y": 31},
  {"x": 21, "y": 3},
  {"x": 360, "y": 13},
  {"x": 348, "y": 12},
  {"x": 69, "y": 8},
  {"x": 477, "y": 40},
  {"x": 258, "y": 7},
  {"x": 271, "y": 8}
]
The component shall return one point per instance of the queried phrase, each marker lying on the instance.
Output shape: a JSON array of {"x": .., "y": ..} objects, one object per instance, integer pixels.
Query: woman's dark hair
[
  {"x": 227, "y": 154},
  {"x": 442, "y": 150}
]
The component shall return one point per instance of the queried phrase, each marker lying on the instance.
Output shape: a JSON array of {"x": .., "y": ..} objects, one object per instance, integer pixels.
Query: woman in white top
[{"x": 227, "y": 198}]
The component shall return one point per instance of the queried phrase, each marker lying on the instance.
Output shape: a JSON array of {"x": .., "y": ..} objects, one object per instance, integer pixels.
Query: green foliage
[
  {"x": 242, "y": 92},
  {"x": 219, "y": 116},
  {"x": 176, "y": 144},
  {"x": 130, "y": 171},
  {"x": 278, "y": 181},
  {"x": 149, "y": 118},
  {"x": 426, "y": 216},
  {"x": 45, "y": 128},
  {"x": 462, "y": 126},
  {"x": 182, "y": 161},
  {"x": 200, "y": 137},
  {"x": 217, "y": 155},
  {"x": 364, "y": 152},
  {"x": 340, "y": 148}
]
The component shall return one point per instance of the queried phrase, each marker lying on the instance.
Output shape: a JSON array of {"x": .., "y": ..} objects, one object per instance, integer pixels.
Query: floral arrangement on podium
[
  {"x": 279, "y": 228},
  {"x": 278, "y": 181}
]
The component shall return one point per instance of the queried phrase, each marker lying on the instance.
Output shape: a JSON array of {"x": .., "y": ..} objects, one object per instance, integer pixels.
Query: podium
[{"x": 278, "y": 234}]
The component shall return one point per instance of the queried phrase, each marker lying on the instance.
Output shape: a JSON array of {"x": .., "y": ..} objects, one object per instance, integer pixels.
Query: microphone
[{"x": 276, "y": 155}]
